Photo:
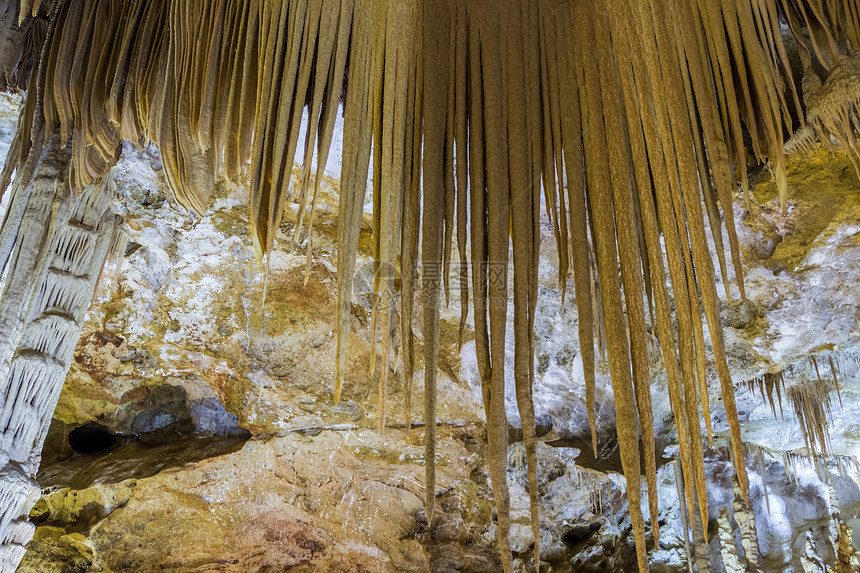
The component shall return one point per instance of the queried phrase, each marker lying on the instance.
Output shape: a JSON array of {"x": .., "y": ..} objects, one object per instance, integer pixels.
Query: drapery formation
[{"x": 630, "y": 118}]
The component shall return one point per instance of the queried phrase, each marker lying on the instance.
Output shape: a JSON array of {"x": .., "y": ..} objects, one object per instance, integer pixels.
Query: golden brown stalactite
[
  {"x": 537, "y": 153},
  {"x": 354, "y": 168},
  {"x": 693, "y": 366},
  {"x": 461, "y": 122},
  {"x": 409, "y": 240},
  {"x": 730, "y": 18},
  {"x": 328, "y": 26},
  {"x": 328, "y": 114},
  {"x": 272, "y": 48},
  {"x": 478, "y": 211},
  {"x": 302, "y": 22},
  {"x": 187, "y": 166},
  {"x": 679, "y": 266},
  {"x": 436, "y": 63},
  {"x": 690, "y": 317},
  {"x": 571, "y": 134},
  {"x": 96, "y": 127},
  {"x": 600, "y": 194},
  {"x": 768, "y": 91},
  {"x": 63, "y": 51},
  {"x": 139, "y": 94},
  {"x": 448, "y": 159},
  {"x": 156, "y": 78},
  {"x": 552, "y": 148},
  {"x": 554, "y": 58},
  {"x": 520, "y": 22},
  {"x": 24, "y": 9},
  {"x": 770, "y": 36},
  {"x": 203, "y": 66},
  {"x": 773, "y": 14},
  {"x": 713, "y": 129},
  {"x": 702, "y": 378},
  {"x": 647, "y": 73},
  {"x": 687, "y": 50},
  {"x": 723, "y": 76},
  {"x": 624, "y": 54},
  {"x": 229, "y": 132},
  {"x": 701, "y": 257},
  {"x": 699, "y": 338},
  {"x": 498, "y": 240},
  {"x": 822, "y": 40},
  {"x": 378, "y": 76},
  {"x": 402, "y": 19},
  {"x": 229, "y": 20},
  {"x": 489, "y": 24},
  {"x": 244, "y": 94},
  {"x": 851, "y": 23},
  {"x": 628, "y": 246},
  {"x": 104, "y": 82}
]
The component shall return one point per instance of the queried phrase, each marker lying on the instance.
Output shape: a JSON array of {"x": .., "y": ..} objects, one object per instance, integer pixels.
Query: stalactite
[
  {"x": 436, "y": 58},
  {"x": 745, "y": 519},
  {"x": 768, "y": 384},
  {"x": 683, "y": 513},
  {"x": 20, "y": 39},
  {"x": 59, "y": 248},
  {"x": 809, "y": 397},
  {"x": 810, "y": 560},
  {"x": 811, "y": 403},
  {"x": 847, "y": 559},
  {"x": 701, "y": 545},
  {"x": 728, "y": 551},
  {"x": 833, "y": 106},
  {"x": 598, "y": 176},
  {"x": 801, "y": 458}
]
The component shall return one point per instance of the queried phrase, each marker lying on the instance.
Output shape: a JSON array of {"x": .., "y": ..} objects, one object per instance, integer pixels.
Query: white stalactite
[
  {"x": 810, "y": 560},
  {"x": 728, "y": 551},
  {"x": 56, "y": 245},
  {"x": 746, "y": 524}
]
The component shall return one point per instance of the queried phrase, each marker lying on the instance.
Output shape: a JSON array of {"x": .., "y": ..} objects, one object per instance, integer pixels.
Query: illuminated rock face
[
  {"x": 195, "y": 429},
  {"x": 179, "y": 365}
]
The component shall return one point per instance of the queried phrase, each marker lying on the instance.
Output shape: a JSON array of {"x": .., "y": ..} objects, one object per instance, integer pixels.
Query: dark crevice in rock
[
  {"x": 580, "y": 533},
  {"x": 92, "y": 438},
  {"x": 135, "y": 461},
  {"x": 608, "y": 459}
]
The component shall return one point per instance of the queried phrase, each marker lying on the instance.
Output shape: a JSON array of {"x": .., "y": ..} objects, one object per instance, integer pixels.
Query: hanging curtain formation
[{"x": 629, "y": 117}]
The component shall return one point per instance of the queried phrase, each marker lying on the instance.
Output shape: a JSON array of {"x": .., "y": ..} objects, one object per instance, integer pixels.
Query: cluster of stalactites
[
  {"x": 833, "y": 106},
  {"x": 793, "y": 461},
  {"x": 213, "y": 83},
  {"x": 809, "y": 396},
  {"x": 468, "y": 110}
]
